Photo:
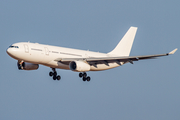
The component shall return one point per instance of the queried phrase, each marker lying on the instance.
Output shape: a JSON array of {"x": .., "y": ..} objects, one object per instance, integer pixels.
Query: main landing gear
[
  {"x": 84, "y": 76},
  {"x": 53, "y": 74}
]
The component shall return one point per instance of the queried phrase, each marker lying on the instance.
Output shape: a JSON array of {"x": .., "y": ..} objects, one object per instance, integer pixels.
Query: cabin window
[
  {"x": 36, "y": 49},
  {"x": 55, "y": 52}
]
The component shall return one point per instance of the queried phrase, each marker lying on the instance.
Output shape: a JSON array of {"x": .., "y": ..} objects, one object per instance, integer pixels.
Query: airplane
[{"x": 30, "y": 55}]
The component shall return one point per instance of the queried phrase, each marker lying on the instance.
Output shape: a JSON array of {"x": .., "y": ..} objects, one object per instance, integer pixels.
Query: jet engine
[
  {"x": 79, "y": 66},
  {"x": 27, "y": 66}
]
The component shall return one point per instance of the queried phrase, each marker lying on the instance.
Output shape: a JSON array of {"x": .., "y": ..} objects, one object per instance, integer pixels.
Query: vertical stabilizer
[{"x": 124, "y": 46}]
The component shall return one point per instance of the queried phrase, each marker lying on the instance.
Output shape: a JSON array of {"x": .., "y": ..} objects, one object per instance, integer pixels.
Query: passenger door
[
  {"x": 46, "y": 51},
  {"x": 26, "y": 48}
]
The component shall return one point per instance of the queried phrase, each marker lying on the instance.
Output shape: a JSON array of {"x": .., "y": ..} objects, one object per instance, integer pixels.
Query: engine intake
[
  {"x": 79, "y": 66},
  {"x": 27, "y": 66}
]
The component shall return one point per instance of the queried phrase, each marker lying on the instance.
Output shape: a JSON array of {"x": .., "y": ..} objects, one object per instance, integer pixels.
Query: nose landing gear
[
  {"x": 84, "y": 76},
  {"x": 53, "y": 74}
]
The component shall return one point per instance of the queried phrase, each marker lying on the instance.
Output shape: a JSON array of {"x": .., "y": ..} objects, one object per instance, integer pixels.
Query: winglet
[{"x": 172, "y": 52}]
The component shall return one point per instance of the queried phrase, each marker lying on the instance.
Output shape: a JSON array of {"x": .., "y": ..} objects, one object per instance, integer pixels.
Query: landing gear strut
[
  {"x": 53, "y": 74},
  {"x": 84, "y": 76}
]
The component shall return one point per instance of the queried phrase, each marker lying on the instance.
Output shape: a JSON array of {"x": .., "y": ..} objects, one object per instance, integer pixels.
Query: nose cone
[
  {"x": 11, "y": 52},
  {"x": 8, "y": 51}
]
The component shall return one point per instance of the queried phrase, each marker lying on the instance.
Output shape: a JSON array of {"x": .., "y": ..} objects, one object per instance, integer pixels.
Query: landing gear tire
[
  {"x": 84, "y": 78},
  {"x": 55, "y": 73},
  {"x": 50, "y": 73},
  {"x": 88, "y": 78},
  {"x": 80, "y": 75},
  {"x": 84, "y": 75},
  {"x": 54, "y": 77},
  {"x": 58, "y": 77}
]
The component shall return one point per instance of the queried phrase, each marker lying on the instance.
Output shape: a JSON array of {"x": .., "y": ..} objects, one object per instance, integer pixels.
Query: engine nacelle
[
  {"x": 27, "y": 66},
  {"x": 79, "y": 66}
]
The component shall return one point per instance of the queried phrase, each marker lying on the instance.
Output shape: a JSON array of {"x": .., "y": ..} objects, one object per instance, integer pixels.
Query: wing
[{"x": 106, "y": 60}]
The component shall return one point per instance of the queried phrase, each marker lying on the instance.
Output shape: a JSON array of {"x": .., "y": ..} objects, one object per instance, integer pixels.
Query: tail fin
[{"x": 124, "y": 46}]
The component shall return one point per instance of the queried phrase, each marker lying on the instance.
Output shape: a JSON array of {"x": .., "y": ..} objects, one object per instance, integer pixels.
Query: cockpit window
[{"x": 13, "y": 46}]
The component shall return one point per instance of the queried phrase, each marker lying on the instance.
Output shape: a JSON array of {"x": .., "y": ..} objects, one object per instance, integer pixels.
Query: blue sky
[{"x": 146, "y": 90}]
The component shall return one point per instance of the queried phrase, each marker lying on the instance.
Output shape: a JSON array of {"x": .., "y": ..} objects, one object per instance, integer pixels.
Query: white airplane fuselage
[
  {"x": 30, "y": 55},
  {"x": 45, "y": 54}
]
